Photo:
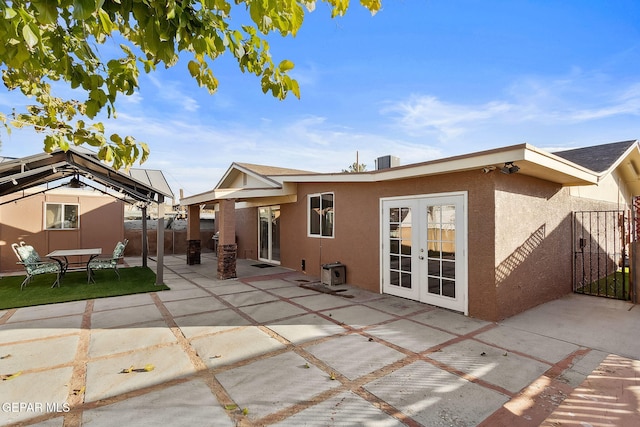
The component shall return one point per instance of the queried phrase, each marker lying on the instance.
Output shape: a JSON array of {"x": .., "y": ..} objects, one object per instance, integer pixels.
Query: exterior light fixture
[
  {"x": 509, "y": 168},
  {"x": 75, "y": 182}
]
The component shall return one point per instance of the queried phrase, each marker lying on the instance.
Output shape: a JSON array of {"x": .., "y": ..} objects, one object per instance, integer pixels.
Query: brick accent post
[
  {"x": 227, "y": 247},
  {"x": 193, "y": 235}
]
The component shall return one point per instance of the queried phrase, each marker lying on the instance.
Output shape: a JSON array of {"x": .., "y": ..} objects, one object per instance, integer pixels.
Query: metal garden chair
[
  {"x": 33, "y": 265},
  {"x": 107, "y": 263}
]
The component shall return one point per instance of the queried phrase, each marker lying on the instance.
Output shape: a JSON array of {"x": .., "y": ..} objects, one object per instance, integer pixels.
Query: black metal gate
[{"x": 600, "y": 253}]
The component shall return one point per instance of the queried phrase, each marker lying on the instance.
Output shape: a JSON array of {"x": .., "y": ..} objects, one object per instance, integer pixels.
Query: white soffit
[{"x": 531, "y": 161}]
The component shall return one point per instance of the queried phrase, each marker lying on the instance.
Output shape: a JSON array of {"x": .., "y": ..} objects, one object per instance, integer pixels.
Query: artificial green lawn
[
  {"x": 74, "y": 287},
  {"x": 610, "y": 286}
]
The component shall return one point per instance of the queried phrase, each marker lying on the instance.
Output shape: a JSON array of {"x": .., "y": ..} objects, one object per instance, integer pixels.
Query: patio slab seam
[
  {"x": 223, "y": 301},
  {"x": 202, "y": 370},
  {"x": 77, "y": 385}
]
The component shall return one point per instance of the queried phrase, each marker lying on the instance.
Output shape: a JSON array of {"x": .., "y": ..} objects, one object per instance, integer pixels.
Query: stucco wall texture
[
  {"x": 356, "y": 243},
  {"x": 519, "y": 235}
]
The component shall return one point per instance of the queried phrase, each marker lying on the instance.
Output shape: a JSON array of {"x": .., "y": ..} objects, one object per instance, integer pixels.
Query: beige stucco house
[{"x": 488, "y": 234}]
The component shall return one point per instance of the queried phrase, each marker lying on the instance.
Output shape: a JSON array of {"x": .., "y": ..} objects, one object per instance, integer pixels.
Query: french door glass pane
[
  {"x": 441, "y": 249},
  {"x": 399, "y": 243}
]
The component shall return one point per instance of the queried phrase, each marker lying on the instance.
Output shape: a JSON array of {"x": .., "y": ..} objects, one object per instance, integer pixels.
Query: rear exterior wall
[
  {"x": 356, "y": 241},
  {"x": 519, "y": 235}
]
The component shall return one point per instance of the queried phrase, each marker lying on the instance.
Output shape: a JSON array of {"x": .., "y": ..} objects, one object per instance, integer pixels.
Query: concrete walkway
[{"x": 270, "y": 349}]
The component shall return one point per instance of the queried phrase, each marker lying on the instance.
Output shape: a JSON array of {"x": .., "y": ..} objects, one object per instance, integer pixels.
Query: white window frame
[
  {"x": 333, "y": 222},
  {"x": 63, "y": 206}
]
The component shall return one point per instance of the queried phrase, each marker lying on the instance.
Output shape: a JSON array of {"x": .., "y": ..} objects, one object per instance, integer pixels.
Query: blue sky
[{"x": 419, "y": 80}]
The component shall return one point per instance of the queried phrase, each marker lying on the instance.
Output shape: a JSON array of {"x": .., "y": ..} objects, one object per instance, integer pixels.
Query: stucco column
[
  {"x": 227, "y": 247},
  {"x": 193, "y": 235}
]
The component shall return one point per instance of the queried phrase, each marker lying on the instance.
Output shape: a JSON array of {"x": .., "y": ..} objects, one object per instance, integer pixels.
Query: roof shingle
[{"x": 597, "y": 158}]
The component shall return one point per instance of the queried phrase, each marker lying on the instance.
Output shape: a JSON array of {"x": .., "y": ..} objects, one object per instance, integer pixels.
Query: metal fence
[{"x": 601, "y": 242}]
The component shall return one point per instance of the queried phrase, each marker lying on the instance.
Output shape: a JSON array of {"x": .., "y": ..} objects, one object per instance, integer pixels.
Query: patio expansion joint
[
  {"x": 78, "y": 382},
  {"x": 356, "y": 385},
  {"x": 39, "y": 339},
  {"x": 217, "y": 296},
  {"x": 202, "y": 370},
  {"x": 535, "y": 402},
  {"x": 6, "y": 316}
]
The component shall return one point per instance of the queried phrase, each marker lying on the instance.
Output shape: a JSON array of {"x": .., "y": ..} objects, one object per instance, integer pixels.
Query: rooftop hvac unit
[{"x": 386, "y": 162}]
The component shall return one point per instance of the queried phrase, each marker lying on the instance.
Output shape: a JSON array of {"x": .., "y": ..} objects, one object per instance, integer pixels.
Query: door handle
[{"x": 420, "y": 257}]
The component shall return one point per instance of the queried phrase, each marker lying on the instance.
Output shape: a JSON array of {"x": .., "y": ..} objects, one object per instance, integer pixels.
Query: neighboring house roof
[
  {"x": 273, "y": 170},
  {"x": 33, "y": 171},
  {"x": 599, "y": 158}
]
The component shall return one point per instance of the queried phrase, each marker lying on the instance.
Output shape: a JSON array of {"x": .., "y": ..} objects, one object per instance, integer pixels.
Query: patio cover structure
[{"x": 135, "y": 186}]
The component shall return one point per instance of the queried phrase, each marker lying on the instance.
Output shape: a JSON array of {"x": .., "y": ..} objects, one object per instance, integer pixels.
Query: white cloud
[
  {"x": 427, "y": 114},
  {"x": 173, "y": 93},
  {"x": 572, "y": 100}
]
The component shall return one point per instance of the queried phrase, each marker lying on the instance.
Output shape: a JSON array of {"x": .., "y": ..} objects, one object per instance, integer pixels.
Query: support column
[
  {"x": 227, "y": 247},
  {"x": 160, "y": 253},
  {"x": 193, "y": 235},
  {"x": 145, "y": 248}
]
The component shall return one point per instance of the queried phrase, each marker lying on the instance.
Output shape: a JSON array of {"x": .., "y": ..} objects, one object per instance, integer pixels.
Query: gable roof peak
[{"x": 598, "y": 158}]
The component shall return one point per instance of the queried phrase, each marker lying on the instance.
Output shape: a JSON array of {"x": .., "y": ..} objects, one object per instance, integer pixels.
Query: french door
[
  {"x": 269, "y": 234},
  {"x": 424, "y": 255}
]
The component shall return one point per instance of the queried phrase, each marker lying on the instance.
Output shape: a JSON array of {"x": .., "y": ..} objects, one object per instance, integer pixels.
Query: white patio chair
[
  {"x": 30, "y": 260},
  {"x": 107, "y": 263}
]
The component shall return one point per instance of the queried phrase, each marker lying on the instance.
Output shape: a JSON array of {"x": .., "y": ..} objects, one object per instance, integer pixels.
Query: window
[
  {"x": 60, "y": 216},
  {"x": 321, "y": 215}
]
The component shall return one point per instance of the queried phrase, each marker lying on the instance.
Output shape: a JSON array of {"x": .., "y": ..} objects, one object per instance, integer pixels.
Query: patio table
[{"x": 62, "y": 256}]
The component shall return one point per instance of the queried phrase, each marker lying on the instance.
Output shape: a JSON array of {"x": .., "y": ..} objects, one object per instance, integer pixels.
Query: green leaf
[
  {"x": 29, "y": 36},
  {"x": 145, "y": 152},
  {"x": 373, "y": 5},
  {"x": 9, "y": 13},
  {"x": 50, "y": 143},
  {"x": 115, "y": 138},
  {"x": 105, "y": 21},
  {"x": 98, "y": 127},
  {"x": 82, "y": 9},
  {"x": 63, "y": 144},
  {"x": 47, "y": 12},
  {"x": 285, "y": 65},
  {"x": 194, "y": 68}
]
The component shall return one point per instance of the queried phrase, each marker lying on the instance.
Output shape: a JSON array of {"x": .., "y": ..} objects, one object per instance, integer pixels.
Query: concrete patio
[{"x": 264, "y": 350}]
